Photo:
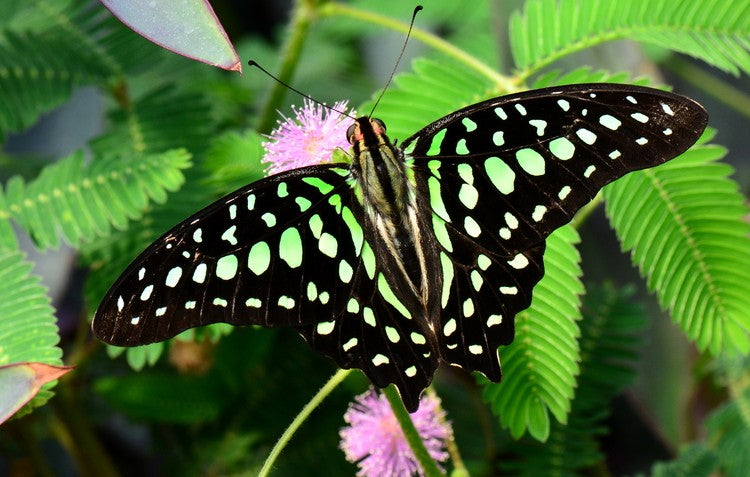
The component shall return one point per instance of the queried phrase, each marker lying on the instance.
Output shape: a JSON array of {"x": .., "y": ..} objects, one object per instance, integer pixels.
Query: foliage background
[{"x": 108, "y": 141}]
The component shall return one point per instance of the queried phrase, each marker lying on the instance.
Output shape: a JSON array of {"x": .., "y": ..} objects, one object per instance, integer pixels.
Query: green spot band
[
  {"x": 321, "y": 185},
  {"x": 385, "y": 290},
  {"x": 368, "y": 258},
  {"x": 436, "y": 198},
  {"x": 354, "y": 228},
  {"x": 447, "y": 266},
  {"x": 437, "y": 140},
  {"x": 441, "y": 233}
]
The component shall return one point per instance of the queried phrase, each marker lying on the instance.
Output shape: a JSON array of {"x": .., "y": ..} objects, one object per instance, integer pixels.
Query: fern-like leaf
[
  {"x": 81, "y": 201},
  {"x": 684, "y": 225},
  {"x": 36, "y": 75},
  {"x": 696, "y": 460},
  {"x": 28, "y": 330},
  {"x": 729, "y": 434},
  {"x": 715, "y": 31},
  {"x": 541, "y": 364},
  {"x": 162, "y": 119},
  {"x": 609, "y": 348}
]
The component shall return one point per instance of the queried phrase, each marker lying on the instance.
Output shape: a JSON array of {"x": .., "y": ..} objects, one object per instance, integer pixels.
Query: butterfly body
[{"x": 407, "y": 256}]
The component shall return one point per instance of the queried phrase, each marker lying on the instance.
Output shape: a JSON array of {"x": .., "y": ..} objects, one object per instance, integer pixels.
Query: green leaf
[
  {"x": 683, "y": 223},
  {"x": 715, "y": 31},
  {"x": 540, "y": 366},
  {"x": 81, "y": 201},
  {"x": 609, "y": 349},
  {"x": 729, "y": 435},
  {"x": 436, "y": 88},
  {"x": 162, "y": 119},
  {"x": 28, "y": 329},
  {"x": 36, "y": 75},
  {"x": 696, "y": 460},
  {"x": 162, "y": 397}
]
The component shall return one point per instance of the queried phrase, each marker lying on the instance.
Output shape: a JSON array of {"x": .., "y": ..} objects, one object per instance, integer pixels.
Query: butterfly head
[{"x": 366, "y": 132}]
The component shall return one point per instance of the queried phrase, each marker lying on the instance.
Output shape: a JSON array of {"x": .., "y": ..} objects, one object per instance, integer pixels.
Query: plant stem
[
  {"x": 335, "y": 380},
  {"x": 450, "y": 444},
  {"x": 428, "y": 465},
  {"x": 302, "y": 16},
  {"x": 75, "y": 433},
  {"x": 503, "y": 82}
]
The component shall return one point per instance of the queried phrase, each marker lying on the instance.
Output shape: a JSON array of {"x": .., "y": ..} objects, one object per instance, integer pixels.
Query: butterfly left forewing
[{"x": 277, "y": 252}]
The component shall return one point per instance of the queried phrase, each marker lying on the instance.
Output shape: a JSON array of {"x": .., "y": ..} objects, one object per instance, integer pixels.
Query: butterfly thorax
[{"x": 390, "y": 205}]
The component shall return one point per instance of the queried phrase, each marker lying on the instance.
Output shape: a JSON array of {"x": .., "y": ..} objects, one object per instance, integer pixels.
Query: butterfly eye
[
  {"x": 350, "y": 133},
  {"x": 378, "y": 125}
]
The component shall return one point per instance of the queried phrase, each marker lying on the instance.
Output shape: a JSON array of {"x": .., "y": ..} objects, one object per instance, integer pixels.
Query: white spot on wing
[
  {"x": 519, "y": 261},
  {"x": 146, "y": 294},
  {"x": 586, "y": 136}
]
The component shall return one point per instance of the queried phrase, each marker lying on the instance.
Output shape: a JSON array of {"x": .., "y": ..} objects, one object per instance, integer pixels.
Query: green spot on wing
[
  {"x": 303, "y": 203},
  {"x": 368, "y": 258},
  {"x": 437, "y": 140},
  {"x": 316, "y": 225},
  {"x": 562, "y": 148},
  {"x": 436, "y": 198},
  {"x": 323, "y": 186},
  {"x": 447, "y": 267},
  {"x": 281, "y": 190},
  {"x": 385, "y": 291},
  {"x": 441, "y": 232},
  {"x": 469, "y": 124},
  {"x": 530, "y": 161},
  {"x": 354, "y": 228},
  {"x": 259, "y": 258},
  {"x": 461, "y": 147},
  {"x": 226, "y": 267},
  {"x": 290, "y": 247},
  {"x": 500, "y": 173}
]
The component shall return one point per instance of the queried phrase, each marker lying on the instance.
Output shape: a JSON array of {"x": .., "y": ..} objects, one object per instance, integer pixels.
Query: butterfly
[{"x": 409, "y": 256}]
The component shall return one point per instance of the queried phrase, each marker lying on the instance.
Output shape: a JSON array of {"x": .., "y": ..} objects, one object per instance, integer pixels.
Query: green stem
[
  {"x": 584, "y": 212},
  {"x": 74, "y": 431},
  {"x": 302, "y": 17},
  {"x": 458, "y": 463},
  {"x": 503, "y": 82},
  {"x": 428, "y": 465},
  {"x": 335, "y": 380}
]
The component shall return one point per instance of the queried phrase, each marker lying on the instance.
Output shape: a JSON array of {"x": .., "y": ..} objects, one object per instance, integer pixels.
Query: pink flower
[
  {"x": 376, "y": 442},
  {"x": 310, "y": 138}
]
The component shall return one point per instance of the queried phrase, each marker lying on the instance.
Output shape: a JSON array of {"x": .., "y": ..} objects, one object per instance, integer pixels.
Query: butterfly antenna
[
  {"x": 255, "y": 64},
  {"x": 400, "y": 55}
]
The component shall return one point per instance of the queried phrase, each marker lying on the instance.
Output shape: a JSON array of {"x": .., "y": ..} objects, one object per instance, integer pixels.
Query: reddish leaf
[
  {"x": 20, "y": 382},
  {"x": 188, "y": 27}
]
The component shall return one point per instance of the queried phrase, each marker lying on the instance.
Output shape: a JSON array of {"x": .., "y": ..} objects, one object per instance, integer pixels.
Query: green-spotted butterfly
[{"x": 409, "y": 255}]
